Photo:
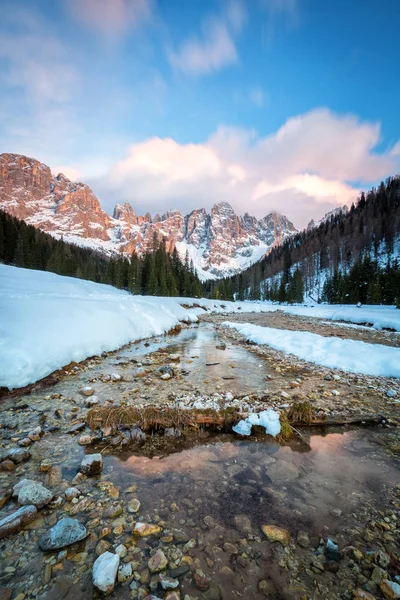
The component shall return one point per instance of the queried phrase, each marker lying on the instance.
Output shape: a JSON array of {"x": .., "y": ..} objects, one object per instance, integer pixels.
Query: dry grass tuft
[
  {"x": 151, "y": 418},
  {"x": 300, "y": 412}
]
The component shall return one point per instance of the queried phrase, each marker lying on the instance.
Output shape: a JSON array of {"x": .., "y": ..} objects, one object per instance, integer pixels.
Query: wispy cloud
[
  {"x": 258, "y": 96},
  {"x": 36, "y": 61},
  {"x": 110, "y": 18},
  {"x": 215, "y": 48}
]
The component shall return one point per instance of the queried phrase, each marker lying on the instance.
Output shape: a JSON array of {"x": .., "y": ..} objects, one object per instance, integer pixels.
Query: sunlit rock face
[{"x": 220, "y": 243}]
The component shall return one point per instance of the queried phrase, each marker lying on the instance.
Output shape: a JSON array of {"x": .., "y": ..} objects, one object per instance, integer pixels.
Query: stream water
[{"x": 210, "y": 499}]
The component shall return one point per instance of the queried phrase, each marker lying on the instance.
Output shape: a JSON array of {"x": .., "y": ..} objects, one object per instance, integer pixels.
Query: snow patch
[{"x": 346, "y": 355}]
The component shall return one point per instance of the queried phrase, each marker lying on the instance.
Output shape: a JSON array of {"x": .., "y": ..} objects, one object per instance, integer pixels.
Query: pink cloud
[
  {"x": 304, "y": 169},
  {"x": 110, "y": 17}
]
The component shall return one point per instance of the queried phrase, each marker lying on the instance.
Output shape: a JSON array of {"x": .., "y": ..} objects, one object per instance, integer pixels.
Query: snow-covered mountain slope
[{"x": 220, "y": 243}]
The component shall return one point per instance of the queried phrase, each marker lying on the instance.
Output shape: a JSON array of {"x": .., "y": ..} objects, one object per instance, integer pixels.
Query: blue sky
[{"x": 288, "y": 105}]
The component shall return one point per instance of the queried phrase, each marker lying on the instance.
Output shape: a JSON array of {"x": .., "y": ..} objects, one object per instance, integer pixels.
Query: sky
[{"x": 270, "y": 105}]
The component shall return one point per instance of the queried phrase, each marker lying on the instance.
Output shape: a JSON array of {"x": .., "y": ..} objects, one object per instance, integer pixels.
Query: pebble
[{"x": 168, "y": 583}]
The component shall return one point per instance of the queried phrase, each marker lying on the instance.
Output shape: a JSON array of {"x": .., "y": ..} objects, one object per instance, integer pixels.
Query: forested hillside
[
  {"x": 157, "y": 273},
  {"x": 349, "y": 257}
]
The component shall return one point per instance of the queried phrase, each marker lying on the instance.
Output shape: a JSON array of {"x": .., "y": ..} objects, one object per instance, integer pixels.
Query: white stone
[{"x": 105, "y": 571}]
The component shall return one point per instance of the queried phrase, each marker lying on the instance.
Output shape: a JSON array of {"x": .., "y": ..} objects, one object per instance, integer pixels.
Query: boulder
[{"x": 66, "y": 532}]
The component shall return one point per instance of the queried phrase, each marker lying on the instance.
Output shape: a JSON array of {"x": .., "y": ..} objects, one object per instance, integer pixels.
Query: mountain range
[{"x": 220, "y": 243}]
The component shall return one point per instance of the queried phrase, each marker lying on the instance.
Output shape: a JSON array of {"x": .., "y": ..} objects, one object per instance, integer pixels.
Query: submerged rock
[
  {"x": 66, "y": 532},
  {"x": 105, "y": 571},
  {"x": 390, "y": 589},
  {"x": 146, "y": 529},
  {"x": 332, "y": 551},
  {"x": 92, "y": 464},
  {"x": 17, "y": 519},
  {"x": 276, "y": 534}
]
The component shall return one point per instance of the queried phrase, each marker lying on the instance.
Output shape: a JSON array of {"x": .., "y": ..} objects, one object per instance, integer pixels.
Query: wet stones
[
  {"x": 390, "y": 589},
  {"x": 243, "y": 524},
  {"x": 66, "y": 532},
  {"x": 109, "y": 488},
  {"x": 158, "y": 562},
  {"x": 31, "y": 493},
  {"x": 146, "y": 529},
  {"x": 54, "y": 475},
  {"x": 125, "y": 572},
  {"x": 276, "y": 534},
  {"x": 201, "y": 581},
  {"x": 134, "y": 505},
  {"x": 174, "y": 357},
  {"x": 77, "y": 427},
  {"x": 18, "y": 455},
  {"x": 332, "y": 551},
  {"x": 166, "y": 372},
  {"x": 105, "y": 571},
  {"x": 303, "y": 540},
  {"x": 16, "y": 520},
  {"x": 168, "y": 583},
  {"x": 92, "y": 464},
  {"x": 86, "y": 391}
]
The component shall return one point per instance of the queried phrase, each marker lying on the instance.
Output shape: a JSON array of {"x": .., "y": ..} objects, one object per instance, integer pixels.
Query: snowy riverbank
[
  {"x": 332, "y": 352},
  {"x": 47, "y": 321}
]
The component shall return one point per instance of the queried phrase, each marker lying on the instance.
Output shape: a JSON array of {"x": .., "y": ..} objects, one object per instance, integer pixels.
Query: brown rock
[{"x": 14, "y": 521}]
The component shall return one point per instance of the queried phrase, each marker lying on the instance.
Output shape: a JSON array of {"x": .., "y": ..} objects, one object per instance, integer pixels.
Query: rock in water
[
  {"x": 390, "y": 589},
  {"x": 92, "y": 464},
  {"x": 105, "y": 571},
  {"x": 17, "y": 519},
  {"x": 146, "y": 529},
  {"x": 34, "y": 493},
  {"x": 332, "y": 551},
  {"x": 276, "y": 534},
  {"x": 66, "y": 532}
]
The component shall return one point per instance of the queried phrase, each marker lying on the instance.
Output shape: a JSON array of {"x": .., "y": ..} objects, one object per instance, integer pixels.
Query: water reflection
[
  {"x": 233, "y": 368},
  {"x": 228, "y": 476}
]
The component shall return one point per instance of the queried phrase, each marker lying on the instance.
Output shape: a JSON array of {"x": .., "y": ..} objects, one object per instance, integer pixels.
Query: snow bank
[
  {"x": 269, "y": 419},
  {"x": 380, "y": 317},
  {"x": 332, "y": 352},
  {"x": 47, "y": 321}
]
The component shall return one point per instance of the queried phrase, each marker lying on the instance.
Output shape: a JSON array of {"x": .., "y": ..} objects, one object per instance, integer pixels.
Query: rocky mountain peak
[{"x": 220, "y": 242}]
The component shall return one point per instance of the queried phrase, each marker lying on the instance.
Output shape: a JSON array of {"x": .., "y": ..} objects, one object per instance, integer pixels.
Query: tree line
[
  {"x": 156, "y": 273},
  {"x": 334, "y": 251}
]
